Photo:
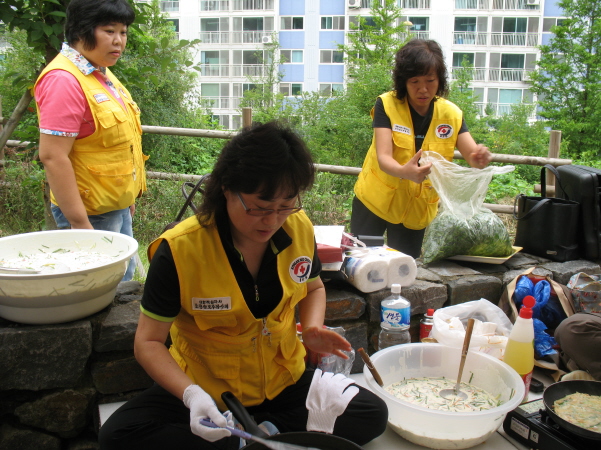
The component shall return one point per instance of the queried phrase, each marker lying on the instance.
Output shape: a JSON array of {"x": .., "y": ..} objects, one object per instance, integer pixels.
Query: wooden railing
[{"x": 552, "y": 158}]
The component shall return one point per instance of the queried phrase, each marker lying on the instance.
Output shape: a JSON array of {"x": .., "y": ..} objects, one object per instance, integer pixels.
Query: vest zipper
[
  {"x": 254, "y": 342},
  {"x": 265, "y": 331},
  {"x": 134, "y": 160}
]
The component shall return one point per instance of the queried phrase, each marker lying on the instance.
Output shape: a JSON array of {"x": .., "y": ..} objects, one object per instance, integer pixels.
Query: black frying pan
[
  {"x": 305, "y": 438},
  {"x": 560, "y": 390}
]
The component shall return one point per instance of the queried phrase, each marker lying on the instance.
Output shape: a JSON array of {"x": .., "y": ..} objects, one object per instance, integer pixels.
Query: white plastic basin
[
  {"x": 46, "y": 298},
  {"x": 443, "y": 429}
]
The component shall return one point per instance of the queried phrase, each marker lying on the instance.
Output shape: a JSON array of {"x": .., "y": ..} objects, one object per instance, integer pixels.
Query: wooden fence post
[
  {"x": 554, "y": 144},
  {"x": 2, "y": 174},
  {"x": 247, "y": 118}
]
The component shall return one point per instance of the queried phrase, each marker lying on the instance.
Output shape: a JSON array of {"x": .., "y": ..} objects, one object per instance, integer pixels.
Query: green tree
[{"x": 568, "y": 77}]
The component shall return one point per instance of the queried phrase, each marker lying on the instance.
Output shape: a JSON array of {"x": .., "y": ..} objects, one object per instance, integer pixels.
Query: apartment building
[{"x": 498, "y": 37}]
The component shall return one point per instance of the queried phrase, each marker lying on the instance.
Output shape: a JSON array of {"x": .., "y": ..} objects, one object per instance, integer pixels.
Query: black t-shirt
[
  {"x": 162, "y": 293},
  {"x": 420, "y": 123}
]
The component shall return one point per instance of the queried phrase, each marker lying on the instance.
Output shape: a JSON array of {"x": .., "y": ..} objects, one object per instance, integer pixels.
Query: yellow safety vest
[
  {"x": 109, "y": 163},
  {"x": 216, "y": 340},
  {"x": 399, "y": 200}
]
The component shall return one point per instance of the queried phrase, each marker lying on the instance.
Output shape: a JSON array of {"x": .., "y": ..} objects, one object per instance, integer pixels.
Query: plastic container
[
  {"x": 519, "y": 353},
  {"x": 444, "y": 429},
  {"x": 426, "y": 324},
  {"x": 395, "y": 319},
  {"x": 61, "y": 297}
]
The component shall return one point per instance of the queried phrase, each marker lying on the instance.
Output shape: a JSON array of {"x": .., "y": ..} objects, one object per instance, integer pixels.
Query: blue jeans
[{"x": 118, "y": 221}]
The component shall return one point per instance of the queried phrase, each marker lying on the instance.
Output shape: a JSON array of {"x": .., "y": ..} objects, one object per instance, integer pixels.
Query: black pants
[
  {"x": 403, "y": 239},
  {"x": 157, "y": 420}
]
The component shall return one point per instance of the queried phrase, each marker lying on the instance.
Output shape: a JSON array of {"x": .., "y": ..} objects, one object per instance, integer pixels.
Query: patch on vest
[
  {"x": 444, "y": 131},
  {"x": 212, "y": 304},
  {"x": 123, "y": 92},
  {"x": 300, "y": 269},
  {"x": 401, "y": 129},
  {"x": 101, "y": 98}
]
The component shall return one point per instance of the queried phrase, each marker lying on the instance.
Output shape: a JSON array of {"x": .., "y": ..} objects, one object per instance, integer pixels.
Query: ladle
[
  {"x": 273, "y": 445},
  {"x": 455, "y": 392}
]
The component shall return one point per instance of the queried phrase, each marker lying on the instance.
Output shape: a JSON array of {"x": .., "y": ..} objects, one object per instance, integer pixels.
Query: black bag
[
  {"x": 196, "y": 187},
  {"x": 546, "y": 226},
  {"x": 582, "y": 184}
]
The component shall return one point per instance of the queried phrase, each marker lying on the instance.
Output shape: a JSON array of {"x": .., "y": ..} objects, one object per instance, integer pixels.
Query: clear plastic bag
[
  {"x": 463, "y": 226},
  {"x": 491, "y": 330}
]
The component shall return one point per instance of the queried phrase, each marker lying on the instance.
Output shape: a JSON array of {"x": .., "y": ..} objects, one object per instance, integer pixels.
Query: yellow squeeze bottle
[{"x": 519, "y": 353}]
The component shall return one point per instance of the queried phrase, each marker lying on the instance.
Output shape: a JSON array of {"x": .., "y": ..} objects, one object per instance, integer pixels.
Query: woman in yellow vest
[
  {"x": 226, "y": 285},
  {"x": 90, "y": 131},
  {"x": 393, "y": 194}
]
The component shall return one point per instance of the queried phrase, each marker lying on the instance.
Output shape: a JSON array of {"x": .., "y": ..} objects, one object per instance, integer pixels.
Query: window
[
  {"x": 465, "y": 23},
  {"x": 290, "y": 89},
  {"x": 515, "y": 24},
  {"x": 332, "y": 23},
  {"x": 549, "y": 22},
  {"x": 169, "y": 6},
  {"x": 419, "y": 23},
  {"x": 459, "y": 57},
  {"x": 329, "y": 89},
  {"x": 292, "y": 56},
  {"x": 292, "y": 23},
  {"x": 331, "y": 56},
  {"x": 174, "y": 24},
  {"x": 512, "y": 67}
]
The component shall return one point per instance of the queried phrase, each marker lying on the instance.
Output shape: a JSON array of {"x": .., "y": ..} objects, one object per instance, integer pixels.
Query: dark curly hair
[
  {"x": 83, "y": 16},
  {"x": 416, "y": 58},
  {"x": 265, "y": 158}
]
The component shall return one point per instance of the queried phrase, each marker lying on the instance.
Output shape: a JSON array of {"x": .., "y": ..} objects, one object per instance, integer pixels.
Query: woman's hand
[
  {"x": 322, "y": 340},
  {"x": 480, "y": 157},
  {"x": 414, "y": 171}
]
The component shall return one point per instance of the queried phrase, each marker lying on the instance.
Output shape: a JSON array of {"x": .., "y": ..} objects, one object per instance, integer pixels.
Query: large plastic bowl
[
  {"x": 61, "y": 297},
  {"x": 444, "y": 429}
]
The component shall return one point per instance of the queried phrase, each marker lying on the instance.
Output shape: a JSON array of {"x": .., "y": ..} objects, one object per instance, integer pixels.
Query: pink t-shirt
[{"x": 63, "y": 105}]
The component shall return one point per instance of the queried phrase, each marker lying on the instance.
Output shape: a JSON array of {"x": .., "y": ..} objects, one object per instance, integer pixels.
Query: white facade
[{"x": 499, "y": 38}]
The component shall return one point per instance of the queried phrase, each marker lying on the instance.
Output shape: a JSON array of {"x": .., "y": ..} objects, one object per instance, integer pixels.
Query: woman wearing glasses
[{"x": 225, "y": 285}]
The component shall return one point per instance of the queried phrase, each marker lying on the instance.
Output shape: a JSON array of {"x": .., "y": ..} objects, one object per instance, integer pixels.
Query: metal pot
[
  {"x": 305, "y": 438},
  {"x": 558, "y": 391}
]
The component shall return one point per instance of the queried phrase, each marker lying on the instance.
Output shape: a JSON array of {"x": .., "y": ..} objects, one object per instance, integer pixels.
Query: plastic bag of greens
[{"x": 463, "y": 226}]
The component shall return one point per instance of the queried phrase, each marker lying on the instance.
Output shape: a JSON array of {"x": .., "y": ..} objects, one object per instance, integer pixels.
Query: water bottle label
[{"x": 396, "y": 318}]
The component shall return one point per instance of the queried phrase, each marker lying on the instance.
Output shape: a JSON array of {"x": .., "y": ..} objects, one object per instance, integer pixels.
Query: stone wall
[{"x": 53, "y": 377}]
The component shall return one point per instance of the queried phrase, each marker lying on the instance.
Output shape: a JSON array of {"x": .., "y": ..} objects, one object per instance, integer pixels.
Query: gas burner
[{"x": 530, "y": 425}]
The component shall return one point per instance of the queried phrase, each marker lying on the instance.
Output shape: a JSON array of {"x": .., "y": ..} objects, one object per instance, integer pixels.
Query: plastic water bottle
[
  {"x": 519, "y": 352},
  {"x": 395, "y": 319}
]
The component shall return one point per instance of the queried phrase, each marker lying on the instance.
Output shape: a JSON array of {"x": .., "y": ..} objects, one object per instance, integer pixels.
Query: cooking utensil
[
  {"x": 370, "y": 366},
  {"x": 273, "y": 445},
  {"x": 455, "y": 392},
  {"x": 17, "y": 270},
  {"x": 307, "y": 438},
  {"x": 558, "y": 391}
]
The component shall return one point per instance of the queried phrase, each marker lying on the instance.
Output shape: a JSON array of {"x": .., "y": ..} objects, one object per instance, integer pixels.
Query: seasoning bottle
[
  {"x": 519, "y": 353},
  {"x": 426, "y": 324},
  {"x": 395, "y": 319}
]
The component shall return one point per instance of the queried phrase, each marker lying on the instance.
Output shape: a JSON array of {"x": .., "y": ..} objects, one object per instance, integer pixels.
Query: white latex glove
[
  {"x": 327, "y": 399},
  {"x": 202, "y": 406}
]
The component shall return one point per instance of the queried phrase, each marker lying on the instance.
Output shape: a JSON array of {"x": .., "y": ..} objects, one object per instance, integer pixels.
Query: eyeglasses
[{"x": 267, "y": 212}]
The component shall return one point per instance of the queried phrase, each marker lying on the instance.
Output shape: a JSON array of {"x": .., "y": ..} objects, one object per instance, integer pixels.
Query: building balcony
[
  {"x": 232, "y": 70},
  {"x": 218, "y": 103},
  {"x": 214, "y": 5},
  {"x": 415, "y": 4},
  {"x": 215, "y": 37},
  {"x": 514, "y": 39},
  {"x": 236, "y": 37},
  {"x": 498, "y": 109},
  {"x": 482, "y": 38},
  {"x": 504, "y": 5},
  {"x": 494, "y": 74},
  {"x": 415, "y": 35},
  {"x": 169, "y": 6}
]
